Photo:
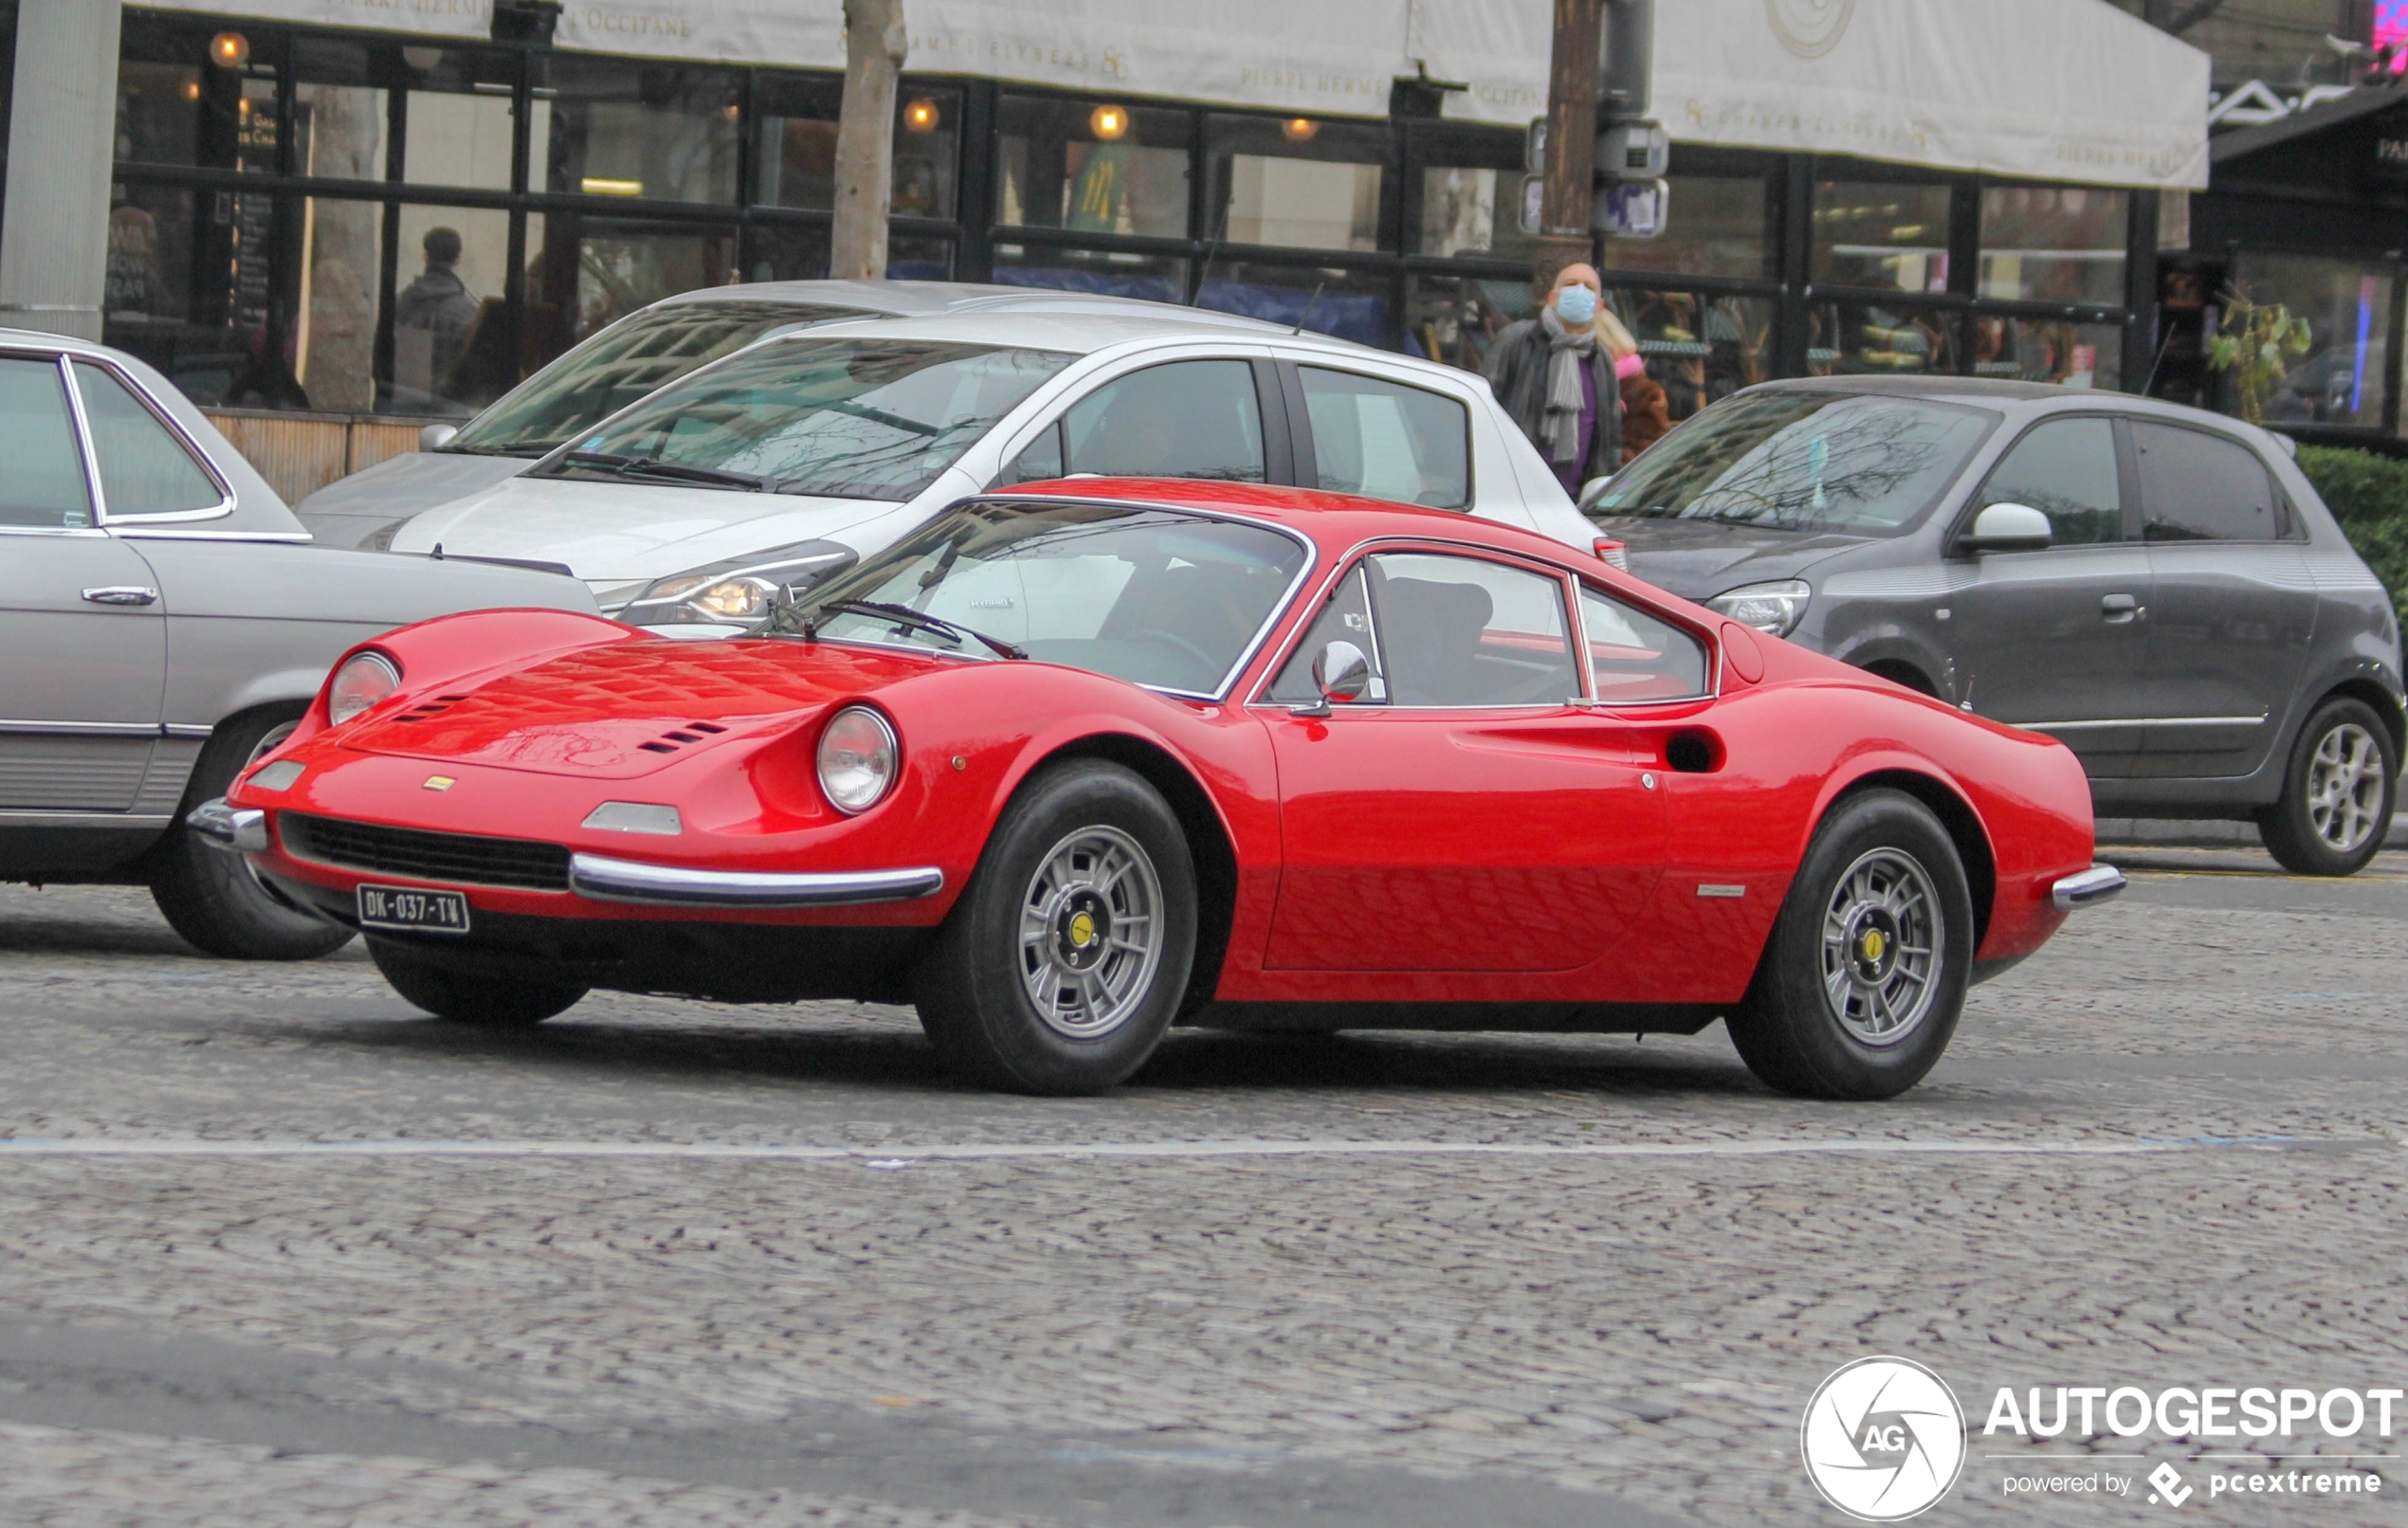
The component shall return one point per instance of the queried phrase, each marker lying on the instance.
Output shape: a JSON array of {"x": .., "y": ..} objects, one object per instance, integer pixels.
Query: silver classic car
[{"x": 163, "y": 620}]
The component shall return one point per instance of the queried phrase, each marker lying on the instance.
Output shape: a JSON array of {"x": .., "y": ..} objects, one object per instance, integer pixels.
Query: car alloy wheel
[
  {"x": 1883, "y": 944},
  {"x": 1090, "y": 932},
  {"x": 2346, "y": 788}
]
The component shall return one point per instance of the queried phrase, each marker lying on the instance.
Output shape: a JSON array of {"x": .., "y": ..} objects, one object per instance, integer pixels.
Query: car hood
[
  {"x": 631, "y": 708},
  {"x": 617, "y": 533},
  {"x": 1699, "y": 559},
  {"x": 349, "y": 511}
]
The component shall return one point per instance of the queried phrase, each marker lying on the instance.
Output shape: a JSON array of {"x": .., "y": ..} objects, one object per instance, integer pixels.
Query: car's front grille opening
[{"x": 462, "y": 858}]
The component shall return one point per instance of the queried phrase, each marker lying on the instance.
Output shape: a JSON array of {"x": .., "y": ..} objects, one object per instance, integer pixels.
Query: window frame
[
  {"x": 2276, "y": 499},
  {"x": 2128, "y": 483},
  {"x": 176, "y": 431},
  {"x": 1713, "y": 690},
  {"x": 58, "y": 360},
  {"x": 1281, "y": 458},
  {"x": 1306, "y": 448}
]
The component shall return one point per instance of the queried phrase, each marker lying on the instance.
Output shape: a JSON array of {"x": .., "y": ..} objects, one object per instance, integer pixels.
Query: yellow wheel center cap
[
  {"x": 1874, "y": 944},
  {"x": 1083, "y": 929}
]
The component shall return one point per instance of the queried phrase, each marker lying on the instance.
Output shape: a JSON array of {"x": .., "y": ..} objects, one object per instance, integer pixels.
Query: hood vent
[
  {"x": 678, "y": 738},
  {"x": 429, "y": 710}
]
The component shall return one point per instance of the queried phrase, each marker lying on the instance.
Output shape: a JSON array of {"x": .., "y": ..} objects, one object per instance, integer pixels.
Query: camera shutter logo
[
  {"x": 1810, "y": 29},
  {"x": 1884, "y": 1439}
]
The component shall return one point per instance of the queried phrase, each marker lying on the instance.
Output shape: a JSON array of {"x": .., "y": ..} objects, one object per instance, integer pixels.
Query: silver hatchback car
[{"x": 2158, "y": 587}]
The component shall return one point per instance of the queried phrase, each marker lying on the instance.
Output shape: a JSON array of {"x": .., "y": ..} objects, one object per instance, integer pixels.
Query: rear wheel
[
  {"x": 2338, "y": 792},
  {"x": 214, "y": 899},
  {"x": 449, "y": 990},
  {"x": 1860, "y": 986},
  {"x": 1065, "y": 959}
]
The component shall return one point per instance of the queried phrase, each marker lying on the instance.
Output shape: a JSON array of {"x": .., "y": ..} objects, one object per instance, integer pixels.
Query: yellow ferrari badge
[
  {"x": 1083, "y": 929},
  {"x": 1874, "y": 944}
]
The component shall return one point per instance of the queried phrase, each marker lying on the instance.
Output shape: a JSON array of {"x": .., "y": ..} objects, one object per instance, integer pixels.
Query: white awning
[{"x": 2069, "y": 90}]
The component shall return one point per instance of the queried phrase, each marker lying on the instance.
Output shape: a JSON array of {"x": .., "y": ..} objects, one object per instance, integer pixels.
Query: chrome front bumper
[
  {"x": 663, "y": 885},
  {"x": 242, "y": 828},
  {"x": 2087, "y": 888}
]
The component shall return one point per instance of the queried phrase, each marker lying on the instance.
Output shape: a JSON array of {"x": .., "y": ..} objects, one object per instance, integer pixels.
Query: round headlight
[
  {"x": 364, "y": 680},
  {"x": 857, "y": 759}
]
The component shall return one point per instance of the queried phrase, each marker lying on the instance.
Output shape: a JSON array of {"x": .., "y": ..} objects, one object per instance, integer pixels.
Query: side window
[
  {"x": 1388, "y": 441},
  {"x": 2200, "y": 487},
  {"x": 1040, "y": 461},
  {"x": 2067, "y": 471},
  {"x": 144, "y": 470},
  {"x": 44, "y": 484},
  {"x": 1466, "y": 632},
  {"x": 1636, "y": 657},
  {"x": 1187, "y": 419},
  {"x": 1345, "y": 618}
]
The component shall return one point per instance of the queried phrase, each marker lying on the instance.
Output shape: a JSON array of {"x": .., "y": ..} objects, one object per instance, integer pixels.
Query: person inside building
[
  {"x": 432, "y": 318},
  {"x": 1550, "y": 372}
]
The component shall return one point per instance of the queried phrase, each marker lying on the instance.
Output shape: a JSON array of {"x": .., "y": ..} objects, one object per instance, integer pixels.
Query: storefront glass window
[
  {"x": 1699, "y": 349},
  {"x": 2053, "y": 243},
  {"x": 451, "y": 327},
  {"x": 174, "y": 105},
  {"x": 338, "y": 111},
  {"x": 2049, "y": 350},
  {"x": 1874, "y": 339},
  {"x": 1100, "y": 167},
  {"x": 660, "y": 131},
  {"x": 1472, "y": 211},
  {"x": 1454, "y": 318},
  {"x": 187, "y": 291},
  {"x": 797, "y": 145},
  {"x": 2341, "y": 377},
  {"x": 1113, "y": 273},
  {"x": 334, "y": 340},
  {"x": 1301, "y": 182},
  {"x": 1350, "y": 305},
  {"x": 1717, "y": 227},
  {"x": 585, "y": 273},
  {"x": 459, "y": 120},
  {"x": 1881, "y": 233}
]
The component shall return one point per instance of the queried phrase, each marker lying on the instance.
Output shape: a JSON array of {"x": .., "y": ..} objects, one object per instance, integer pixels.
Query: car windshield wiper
[
  {"x": 879, "y": 416},
  {"x": 647, "y": 466},
  {"x": 905, "y": 615}
]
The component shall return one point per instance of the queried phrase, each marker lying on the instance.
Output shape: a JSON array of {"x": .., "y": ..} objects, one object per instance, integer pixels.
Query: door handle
[
  {"x": 123, "y": 595},
  {"x": 2120, "y": 609}
]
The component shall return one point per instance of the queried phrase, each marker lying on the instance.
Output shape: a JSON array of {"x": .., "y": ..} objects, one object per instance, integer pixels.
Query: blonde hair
[{"x": 1612, "y": 335}]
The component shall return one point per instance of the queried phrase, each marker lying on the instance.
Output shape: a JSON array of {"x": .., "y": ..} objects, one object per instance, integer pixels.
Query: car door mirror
[
  {"x": 2008, "y": 528},
  {"x": 1343, "y": 674},
  {"x": 435, "y": 437},
  {"x": 1591, "y": 491}
]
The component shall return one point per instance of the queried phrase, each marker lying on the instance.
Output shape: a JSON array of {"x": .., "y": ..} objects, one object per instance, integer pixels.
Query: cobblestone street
[{"x": 277, "y": 1250}]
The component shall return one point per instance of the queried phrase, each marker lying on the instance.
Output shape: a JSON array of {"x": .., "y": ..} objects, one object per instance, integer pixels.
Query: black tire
[
  {"x": 1789, "y": 1029},
  {"x": 2340, "y": 761},
  {"x": 447, "y": 991},
  {"x": 975, "y": 986},
  {"x": 212, "y": 897}
]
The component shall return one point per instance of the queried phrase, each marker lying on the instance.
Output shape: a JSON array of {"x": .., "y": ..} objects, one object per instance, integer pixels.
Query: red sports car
[{"x": 1080, "y": 761}]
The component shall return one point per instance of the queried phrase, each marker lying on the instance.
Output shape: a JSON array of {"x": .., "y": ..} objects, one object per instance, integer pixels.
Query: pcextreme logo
[{"x": 1884, "y": 1439}]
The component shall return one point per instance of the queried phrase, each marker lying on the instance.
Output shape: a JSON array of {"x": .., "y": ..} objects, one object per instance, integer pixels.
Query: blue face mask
[{"x": 1576, "y": 305}]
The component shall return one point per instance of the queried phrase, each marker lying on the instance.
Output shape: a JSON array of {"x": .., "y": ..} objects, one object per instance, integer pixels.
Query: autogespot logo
[{"x": 1884, "y": 1439}]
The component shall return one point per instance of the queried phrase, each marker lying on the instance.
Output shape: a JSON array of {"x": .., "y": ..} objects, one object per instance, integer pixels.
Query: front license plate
[{"x": 404, "y": 907}]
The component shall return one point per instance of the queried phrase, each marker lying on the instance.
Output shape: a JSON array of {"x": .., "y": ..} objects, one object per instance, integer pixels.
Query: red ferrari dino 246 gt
[{"x": 1077, "y": 762}]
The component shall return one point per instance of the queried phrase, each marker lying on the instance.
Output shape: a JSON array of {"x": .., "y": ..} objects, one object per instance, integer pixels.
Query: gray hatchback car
[{"x": 2158, "y": 587}]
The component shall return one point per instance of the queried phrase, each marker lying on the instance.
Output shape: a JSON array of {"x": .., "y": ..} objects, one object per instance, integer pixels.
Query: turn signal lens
[
  {"x": 364, "y": 680},
  {"x": 857, "y": 759}
]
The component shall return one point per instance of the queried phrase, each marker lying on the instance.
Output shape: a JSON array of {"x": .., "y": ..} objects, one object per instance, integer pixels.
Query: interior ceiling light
[
  {"x": 229, "y": 50},
  {"x": 1109, "y": 122}
]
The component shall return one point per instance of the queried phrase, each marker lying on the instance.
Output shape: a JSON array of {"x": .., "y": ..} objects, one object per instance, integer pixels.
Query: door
[
  {"x": 2057, "y": 640},
  {"x": 80, "y": 618},
  {"x": 1464, "y": 816},
  {"x": 2235, "y": 606}
]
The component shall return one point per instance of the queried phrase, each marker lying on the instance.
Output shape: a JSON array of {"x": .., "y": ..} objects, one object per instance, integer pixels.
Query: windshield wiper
[
  {"x": 647, "y": 466},
  {"x": 879, "y": 416},
  {"x": 904, "y": 616}
]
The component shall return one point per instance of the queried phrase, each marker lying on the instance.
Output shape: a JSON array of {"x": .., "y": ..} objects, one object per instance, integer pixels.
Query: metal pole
[
  {"x": 1572, "y": 124},
  {"x": 54, "y": 225}
]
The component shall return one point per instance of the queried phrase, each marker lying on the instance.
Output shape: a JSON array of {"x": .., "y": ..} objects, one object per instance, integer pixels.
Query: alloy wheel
[
  {"x": 1883, "y": 942},
  {"x": 1090, "y": 932},
  {"x": 2346, "y": 788}
]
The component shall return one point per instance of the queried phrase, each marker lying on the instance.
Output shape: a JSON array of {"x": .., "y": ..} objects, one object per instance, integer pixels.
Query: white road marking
[{"x": 897, "y": 1154}]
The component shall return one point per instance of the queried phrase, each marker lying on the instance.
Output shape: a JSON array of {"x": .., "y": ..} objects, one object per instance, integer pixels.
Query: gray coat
[{"x": 1517, "y": 371}]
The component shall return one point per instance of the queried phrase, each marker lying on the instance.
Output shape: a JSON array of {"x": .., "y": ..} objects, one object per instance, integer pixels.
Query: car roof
[
  {"x": 2022, "y": 398},
  {"x": 1075, "y": 331},
  {"x": 901, "y": 299}
]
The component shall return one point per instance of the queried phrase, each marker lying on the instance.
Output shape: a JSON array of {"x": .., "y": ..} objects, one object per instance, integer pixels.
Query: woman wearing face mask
[{"x": 1551, "y": 371}]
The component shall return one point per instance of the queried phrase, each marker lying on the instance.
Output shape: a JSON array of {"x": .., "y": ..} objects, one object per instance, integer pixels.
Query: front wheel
[
  {"x": 2337, "y": 799},
  {"x": 214, "y": 897},
  {"x": 1860, "y": 986},
  {"x": 1068, "y": 954},
  {"x": 449, "y": 990}
]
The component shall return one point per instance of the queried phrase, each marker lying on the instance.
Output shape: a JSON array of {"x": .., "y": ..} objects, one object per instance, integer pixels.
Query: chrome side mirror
[
  {"x": 2009, "y": 528},
  {"x": 1591, "y": 492},
  {"x": 1341, "y": 673},
  {"x": 435, "y": 437}
]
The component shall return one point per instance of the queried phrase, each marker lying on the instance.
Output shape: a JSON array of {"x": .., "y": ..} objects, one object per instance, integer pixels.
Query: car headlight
[
  {"x": 857, "y": 759},
  {"x": 365, "y": 678},
  {"x": 1772, "y": 608},
  {"x": 744, "y": 591}
]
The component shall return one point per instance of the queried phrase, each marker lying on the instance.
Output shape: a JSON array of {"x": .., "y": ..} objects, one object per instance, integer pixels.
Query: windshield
[
  {"x": 1793, "y": 460},
  {"x": 1152, "y": 596},
  {"x": 622, "y": 364},
  {"x": 850, "y": 418}
]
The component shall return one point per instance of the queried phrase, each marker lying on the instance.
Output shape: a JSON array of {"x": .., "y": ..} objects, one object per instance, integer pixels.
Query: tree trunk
[
  {"x": 874, "y": 48},
  {"x": 1572, "y": 125}
]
